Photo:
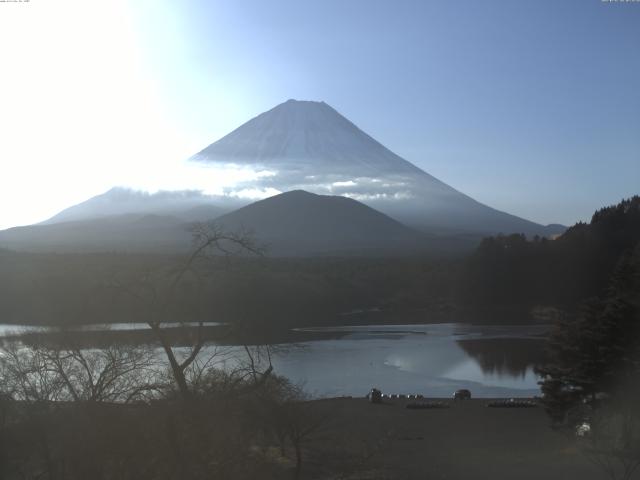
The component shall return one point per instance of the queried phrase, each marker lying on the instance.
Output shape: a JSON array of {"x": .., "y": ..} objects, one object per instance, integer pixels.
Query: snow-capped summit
[{"x": 305, "y": 132}]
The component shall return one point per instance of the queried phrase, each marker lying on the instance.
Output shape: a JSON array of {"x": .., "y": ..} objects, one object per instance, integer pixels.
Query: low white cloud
[
  {"x": 210, "y": 179},
  {"x": 363, "y": 197},
  {"x": 254, "y": 193},
  {"x": 348, "y": 183}
]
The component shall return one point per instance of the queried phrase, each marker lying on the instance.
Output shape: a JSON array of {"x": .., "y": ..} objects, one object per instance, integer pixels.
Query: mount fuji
[{"x": 308, "y": 145}]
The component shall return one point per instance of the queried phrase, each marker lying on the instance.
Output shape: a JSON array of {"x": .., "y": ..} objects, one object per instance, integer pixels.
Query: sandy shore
[{"x": 467, "y": 441}]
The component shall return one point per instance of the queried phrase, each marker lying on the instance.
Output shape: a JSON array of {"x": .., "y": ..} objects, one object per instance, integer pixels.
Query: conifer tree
[{"x": 592, "y": 354}]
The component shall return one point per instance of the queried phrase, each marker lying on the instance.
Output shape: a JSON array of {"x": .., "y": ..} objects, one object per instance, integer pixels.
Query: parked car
[
  {"x": 375, "y": 396},
  {"x": 462, "y": 394}
]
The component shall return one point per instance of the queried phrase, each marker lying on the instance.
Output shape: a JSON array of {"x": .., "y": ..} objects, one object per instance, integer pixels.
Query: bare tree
[
  {"x": 117, "y": 373},
  {"x": 26, "y": 375},
  {"x": 157, "y": 293},
  {"x": 290, "y": 417},
  {"x": 84, "y": 390},
  {"x": 40, "y": 373},
  {"x": 54, "y": 392}
]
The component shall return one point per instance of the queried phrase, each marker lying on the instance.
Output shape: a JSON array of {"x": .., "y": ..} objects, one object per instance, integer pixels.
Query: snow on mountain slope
[
  {"x": 305, "y": 132},
  {"x": 187, "y": 205}
]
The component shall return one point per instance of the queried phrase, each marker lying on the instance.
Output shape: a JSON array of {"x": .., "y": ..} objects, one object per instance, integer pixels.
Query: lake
[{"x": 433, "y": 360}]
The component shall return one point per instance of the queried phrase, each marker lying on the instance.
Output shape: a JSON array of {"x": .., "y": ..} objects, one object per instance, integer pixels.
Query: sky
[{"x": 531, "y": 107}]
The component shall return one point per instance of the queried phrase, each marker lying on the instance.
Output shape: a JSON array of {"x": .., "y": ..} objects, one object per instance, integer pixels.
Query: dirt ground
[{"x": 360, "y": 440}]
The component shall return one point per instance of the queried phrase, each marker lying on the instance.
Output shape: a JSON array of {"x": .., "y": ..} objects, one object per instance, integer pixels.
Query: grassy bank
[{"x": 469, "y": 440}]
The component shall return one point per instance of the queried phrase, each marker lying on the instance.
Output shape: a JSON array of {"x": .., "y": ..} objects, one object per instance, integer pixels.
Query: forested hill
[{"x": 511, "y": 270}]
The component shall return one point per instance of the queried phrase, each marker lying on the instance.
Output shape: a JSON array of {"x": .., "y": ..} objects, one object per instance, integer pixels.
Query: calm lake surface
[{"x": 433, "y": 360}]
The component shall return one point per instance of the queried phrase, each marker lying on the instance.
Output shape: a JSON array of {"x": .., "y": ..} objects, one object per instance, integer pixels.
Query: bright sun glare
[{"x": 80, "y": 114}]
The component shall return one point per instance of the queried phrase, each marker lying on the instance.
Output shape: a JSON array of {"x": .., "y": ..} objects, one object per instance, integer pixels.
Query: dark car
[
  {"x": 375, "y": 396},
  {"x": 462, "y": 394}
]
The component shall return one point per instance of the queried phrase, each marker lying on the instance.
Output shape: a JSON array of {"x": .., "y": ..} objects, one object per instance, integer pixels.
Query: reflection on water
[
  {"x": 504, "y": 357},
  {"x": 434, "y": 360}
]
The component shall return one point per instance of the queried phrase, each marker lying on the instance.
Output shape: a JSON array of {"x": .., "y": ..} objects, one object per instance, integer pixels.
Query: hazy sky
[{"x": 532, "y": 107}]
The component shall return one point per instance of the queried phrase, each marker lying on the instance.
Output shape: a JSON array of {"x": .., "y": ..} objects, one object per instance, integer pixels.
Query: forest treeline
[
  {"x": 563, "y": 272},
  {"x": 72, "y": 289},
  {"x": 507, "y": 273}
]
